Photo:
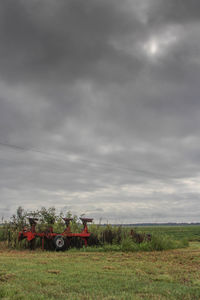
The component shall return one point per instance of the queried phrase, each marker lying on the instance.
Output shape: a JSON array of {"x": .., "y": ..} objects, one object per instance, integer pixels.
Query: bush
[
  {"x": 102, "y": 238},
  {"x": 3, "y": 233},
  {"x": 128, "y": 245}
]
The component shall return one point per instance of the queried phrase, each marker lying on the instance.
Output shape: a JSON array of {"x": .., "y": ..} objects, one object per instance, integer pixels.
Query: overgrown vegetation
[
  {"x": 103, "y": 238},
  {"x": 112, "y": 267},
  {"x": 178, "y": 232}
]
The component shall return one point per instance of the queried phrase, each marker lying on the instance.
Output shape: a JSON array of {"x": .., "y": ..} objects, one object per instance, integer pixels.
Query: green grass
[
  {"x": 190, "y": 232},
  {"x": 157, "y": 243},
  {"x": 109, "y": 272},
  {"x": 172, "y": 274}
]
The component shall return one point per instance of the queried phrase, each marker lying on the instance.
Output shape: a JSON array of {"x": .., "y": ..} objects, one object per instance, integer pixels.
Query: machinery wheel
[{"x": 59, "y": 242}]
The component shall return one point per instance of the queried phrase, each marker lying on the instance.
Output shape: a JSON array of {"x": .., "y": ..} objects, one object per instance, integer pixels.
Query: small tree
[
  {"x": 48, "y": 215},
  {"x": 19, "y": 220}
]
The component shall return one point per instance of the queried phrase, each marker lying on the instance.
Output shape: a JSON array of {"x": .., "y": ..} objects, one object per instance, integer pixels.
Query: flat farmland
[
  {"x": 189, "y": 232},
  {"x": 172, "y": 274}
]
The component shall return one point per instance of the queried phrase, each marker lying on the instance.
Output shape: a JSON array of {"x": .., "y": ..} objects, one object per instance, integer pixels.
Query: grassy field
[
  {"x": 172, "y": 274},
  {"x": 191, "y": 232},
  {"x": 75, "y": 274}
]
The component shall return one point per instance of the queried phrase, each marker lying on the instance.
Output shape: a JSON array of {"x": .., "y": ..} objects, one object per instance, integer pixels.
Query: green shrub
[
  {"x": 127, "y": 244},
  {"x": 2, "y": 234},
  {"x": 103, "y": 238}
]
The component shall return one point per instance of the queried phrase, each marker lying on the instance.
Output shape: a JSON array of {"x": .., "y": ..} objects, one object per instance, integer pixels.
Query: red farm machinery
[{"x": 60, "y": 241}]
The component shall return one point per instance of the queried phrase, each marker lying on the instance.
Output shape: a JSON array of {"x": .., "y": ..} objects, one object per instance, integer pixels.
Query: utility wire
[{"x": 96, "y": 164}]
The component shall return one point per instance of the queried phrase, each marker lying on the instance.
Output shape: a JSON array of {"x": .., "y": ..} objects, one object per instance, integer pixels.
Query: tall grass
[
  {"x": 103, "y": 238},
  {"x": 157, "y": 243}
]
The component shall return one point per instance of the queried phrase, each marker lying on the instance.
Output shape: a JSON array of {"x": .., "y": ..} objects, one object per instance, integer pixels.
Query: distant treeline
[
  {"x": 143, "y": 224},
  {"x": 153, "y": 224}
]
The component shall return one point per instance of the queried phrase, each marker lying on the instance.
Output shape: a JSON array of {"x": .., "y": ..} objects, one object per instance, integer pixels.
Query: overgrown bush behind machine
[{"x": 102, "y": 237}]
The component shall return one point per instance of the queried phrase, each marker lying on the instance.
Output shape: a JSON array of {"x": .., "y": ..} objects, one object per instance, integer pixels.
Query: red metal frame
[{"x": 31, "y": 234}]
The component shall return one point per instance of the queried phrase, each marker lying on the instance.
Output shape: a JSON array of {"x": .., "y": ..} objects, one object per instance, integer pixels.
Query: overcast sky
[{"x": 100, "y": 108}]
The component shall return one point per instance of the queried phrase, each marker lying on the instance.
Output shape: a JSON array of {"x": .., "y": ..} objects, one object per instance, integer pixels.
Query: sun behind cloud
[
  {"x": 161, "y": 43},
  {"x": 153, "y": 47}
]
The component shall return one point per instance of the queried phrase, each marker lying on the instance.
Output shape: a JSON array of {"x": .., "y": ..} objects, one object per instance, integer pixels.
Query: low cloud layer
[{"x": 99, "y": 108}]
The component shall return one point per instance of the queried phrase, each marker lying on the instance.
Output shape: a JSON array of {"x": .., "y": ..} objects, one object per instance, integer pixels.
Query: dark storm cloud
[
  {"x": 64, "y": 40},
  {"x": 99, "y": 108}
]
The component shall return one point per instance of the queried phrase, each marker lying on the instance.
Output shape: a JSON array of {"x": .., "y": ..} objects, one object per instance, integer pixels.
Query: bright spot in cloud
[
  {"x": 161, "y": 44},
  {"x": 153, "y": 47}
]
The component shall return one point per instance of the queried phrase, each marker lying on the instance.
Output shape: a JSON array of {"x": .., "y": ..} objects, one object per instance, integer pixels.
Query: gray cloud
[
  {"x": 64, "y": 41},
  {"x": 99, "y": 108},
  {"x": 174, "y": 11}
]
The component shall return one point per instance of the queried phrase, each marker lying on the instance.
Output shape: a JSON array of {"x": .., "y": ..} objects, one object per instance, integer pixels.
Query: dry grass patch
[{"x": 6, "y": 276}]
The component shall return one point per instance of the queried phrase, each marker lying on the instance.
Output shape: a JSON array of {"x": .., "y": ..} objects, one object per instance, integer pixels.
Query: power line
[{"x": 84, "y": 161}]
